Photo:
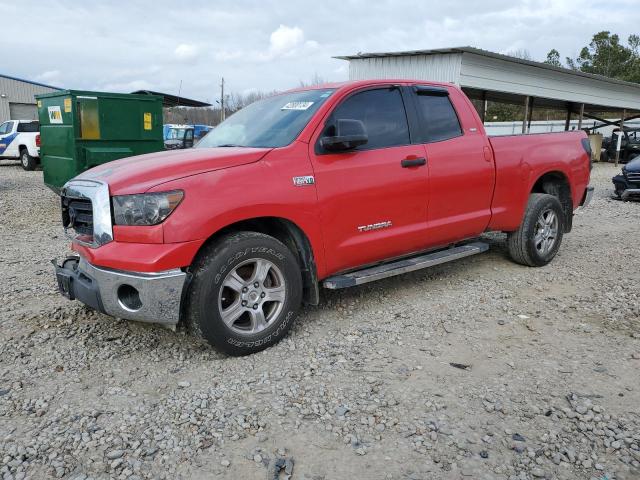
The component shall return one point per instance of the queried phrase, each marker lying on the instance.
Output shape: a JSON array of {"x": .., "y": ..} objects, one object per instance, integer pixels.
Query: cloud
[
  {"x": 186, "y": 53},
  {"x": 274, "y": 44},
  {"x": 284, "y": 40},
  {"x": 127, "y": 87},
  {"x": 49, "y": 75}
]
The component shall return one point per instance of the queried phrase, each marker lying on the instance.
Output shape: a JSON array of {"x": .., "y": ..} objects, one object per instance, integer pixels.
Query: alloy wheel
[
  {"x": 252, "y": 296},
  {"x": 546, "y": 231}
]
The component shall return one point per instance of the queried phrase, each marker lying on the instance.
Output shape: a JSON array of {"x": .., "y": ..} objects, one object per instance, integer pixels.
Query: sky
[{"x": 186, "y": 47}]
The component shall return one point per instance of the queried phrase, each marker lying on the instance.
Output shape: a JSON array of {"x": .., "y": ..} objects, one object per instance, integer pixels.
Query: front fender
[{"x": 215, "y": 200}]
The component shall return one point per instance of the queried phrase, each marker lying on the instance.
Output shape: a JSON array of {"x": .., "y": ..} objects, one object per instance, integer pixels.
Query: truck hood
[
  {"x": 633, "y": 165},
  {"x": 140, "y": 173}
]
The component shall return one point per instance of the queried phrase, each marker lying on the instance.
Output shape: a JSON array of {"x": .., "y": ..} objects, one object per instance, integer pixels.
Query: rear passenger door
[
  {"x": 460, "y": 162},
  {"x": 371, "y": 206}
]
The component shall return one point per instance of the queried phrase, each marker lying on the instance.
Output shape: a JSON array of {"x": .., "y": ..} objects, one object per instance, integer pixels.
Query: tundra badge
[
  {"x": 374, "y": 226},
  {"x": 304, "y": 181}
]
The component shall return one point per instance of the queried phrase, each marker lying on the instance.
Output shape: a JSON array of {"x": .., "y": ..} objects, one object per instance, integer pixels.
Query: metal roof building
[
  {"x": 169, "y": 100},
  {"x": 17, "y": 98},
  {"x": 490, "y": 76}
]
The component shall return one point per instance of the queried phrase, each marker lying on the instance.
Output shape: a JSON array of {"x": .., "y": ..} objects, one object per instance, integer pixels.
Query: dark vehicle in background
[
  {"x": 629, "y": 148},
  {"x": 627, "y": 184},
  {"x": 179, "y": 137}
]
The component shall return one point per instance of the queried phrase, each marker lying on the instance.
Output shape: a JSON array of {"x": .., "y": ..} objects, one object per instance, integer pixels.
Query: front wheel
[
  {"x": 27, "y": 161},
  {"x": 245, "y": 293},
  {"x": 538, "y": 239}
]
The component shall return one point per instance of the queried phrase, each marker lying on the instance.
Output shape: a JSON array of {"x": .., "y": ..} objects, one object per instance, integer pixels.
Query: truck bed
[{"x": 520, "y": 159}]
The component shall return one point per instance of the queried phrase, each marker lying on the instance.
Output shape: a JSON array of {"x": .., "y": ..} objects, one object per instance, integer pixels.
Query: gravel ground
[{"x": 479, "y": 369}]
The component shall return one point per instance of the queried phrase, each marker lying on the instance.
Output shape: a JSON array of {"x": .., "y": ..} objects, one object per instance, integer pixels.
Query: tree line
[{"x": 605, "y": 55}]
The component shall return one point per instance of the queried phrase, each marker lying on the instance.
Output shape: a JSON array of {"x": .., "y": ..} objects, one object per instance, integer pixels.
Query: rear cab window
[
  {"x": 29, "y": 127},
  {"x": 437, "y": 117}
]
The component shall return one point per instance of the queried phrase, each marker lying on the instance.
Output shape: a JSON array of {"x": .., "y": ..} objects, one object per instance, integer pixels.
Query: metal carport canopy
[{"x": 493, "y": 76}]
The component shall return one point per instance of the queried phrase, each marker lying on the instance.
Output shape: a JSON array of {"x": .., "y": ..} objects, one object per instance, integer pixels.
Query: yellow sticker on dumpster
[
  {"x": 67, "y": 105},
  {"x": 39, "y": 104},
  {"x": 147, "y": 121}
]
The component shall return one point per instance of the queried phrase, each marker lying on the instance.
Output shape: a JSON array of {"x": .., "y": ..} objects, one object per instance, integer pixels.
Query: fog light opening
[{"x": 129, "y": 298}]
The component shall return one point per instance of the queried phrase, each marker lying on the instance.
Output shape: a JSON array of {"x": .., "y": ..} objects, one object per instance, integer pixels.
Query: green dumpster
[{"x": 79, "y": 130}]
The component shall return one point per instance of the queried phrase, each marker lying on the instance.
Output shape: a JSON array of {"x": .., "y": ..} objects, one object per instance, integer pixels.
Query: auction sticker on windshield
[{"x": 297, "y": 106}]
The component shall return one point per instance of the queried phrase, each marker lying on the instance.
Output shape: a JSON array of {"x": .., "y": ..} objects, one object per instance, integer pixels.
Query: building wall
[
  {"x": 487, "y": 73},
  {"x": 16, "y": 91},
  {"x": 439, "y": 68}
]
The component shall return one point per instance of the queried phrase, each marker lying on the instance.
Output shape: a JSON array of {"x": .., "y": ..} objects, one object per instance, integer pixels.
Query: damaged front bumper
[
  {"x": 625, "y": 189},
  {"x": 146, "y": 297}
]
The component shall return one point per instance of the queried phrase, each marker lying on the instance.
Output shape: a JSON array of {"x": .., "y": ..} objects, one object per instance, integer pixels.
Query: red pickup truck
[{"x": 332, "y": 186}]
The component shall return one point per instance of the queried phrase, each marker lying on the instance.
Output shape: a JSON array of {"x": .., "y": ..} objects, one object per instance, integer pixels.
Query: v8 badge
[{"x": 304, "y": 180}]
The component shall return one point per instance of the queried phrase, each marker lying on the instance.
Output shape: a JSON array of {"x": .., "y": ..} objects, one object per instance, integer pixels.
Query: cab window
[
  {"x": 29, "y": 127},
  {"x": 383, "y": 114},
  {"x": 438, "y": 119},
  {"x": 5, "y": 128}
]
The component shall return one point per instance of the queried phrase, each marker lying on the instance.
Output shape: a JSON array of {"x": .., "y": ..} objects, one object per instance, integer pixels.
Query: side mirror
[{"x": 349, "y": 135}]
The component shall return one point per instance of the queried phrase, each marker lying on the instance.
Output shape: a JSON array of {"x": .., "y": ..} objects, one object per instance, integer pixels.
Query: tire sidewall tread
[
  {"x": 211, "y": 268},
  {"x": 520, "y": 243},
  {"x": 30, "y": 161}
]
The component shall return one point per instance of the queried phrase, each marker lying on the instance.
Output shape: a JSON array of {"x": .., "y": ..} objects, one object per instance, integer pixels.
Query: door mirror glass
[{"x": 349, "y": 134}]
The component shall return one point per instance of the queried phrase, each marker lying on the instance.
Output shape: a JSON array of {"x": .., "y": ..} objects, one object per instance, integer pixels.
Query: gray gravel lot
[{"x": 363, "y": 387}]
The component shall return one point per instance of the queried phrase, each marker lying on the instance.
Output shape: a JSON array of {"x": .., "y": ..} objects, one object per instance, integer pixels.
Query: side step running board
[{"x": 404, "y": 265}]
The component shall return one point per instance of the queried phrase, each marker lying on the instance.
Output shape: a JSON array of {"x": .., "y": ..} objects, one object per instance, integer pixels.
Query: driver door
[{"x": 373, "y": 203}]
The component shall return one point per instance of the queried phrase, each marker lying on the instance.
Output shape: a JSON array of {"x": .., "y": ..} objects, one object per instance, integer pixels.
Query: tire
[
  {"x": 604, "y": 156},
  {"x": 229, "y": 276},
  {"x": 538, "y": 239},
  {"x": 27, "y": 161}
]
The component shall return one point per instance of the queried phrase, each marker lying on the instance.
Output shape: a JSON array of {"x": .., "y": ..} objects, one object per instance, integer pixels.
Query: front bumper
[
  {"x": 625, "y": 189},
  {"x": 146, "y": 297}
]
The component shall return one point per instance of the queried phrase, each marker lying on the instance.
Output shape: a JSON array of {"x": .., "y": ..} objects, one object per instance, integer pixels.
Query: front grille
[
  {"x": 633, "y": 176},
  {"x": 77, "y": 213}
]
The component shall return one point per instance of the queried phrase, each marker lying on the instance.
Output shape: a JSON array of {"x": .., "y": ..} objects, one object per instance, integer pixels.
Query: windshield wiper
[{"x": 229, "y": 145}]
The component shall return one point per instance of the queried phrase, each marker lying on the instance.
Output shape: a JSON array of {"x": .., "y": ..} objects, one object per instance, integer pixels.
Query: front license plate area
[{"x": 65, "y": 283}]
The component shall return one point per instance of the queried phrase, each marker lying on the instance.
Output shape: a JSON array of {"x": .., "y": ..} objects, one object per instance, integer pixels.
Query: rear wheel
[
  {"x": 27, "y": 161},
  {"x": 245, "y": 293},
  {"x": 538, "y": 239}
]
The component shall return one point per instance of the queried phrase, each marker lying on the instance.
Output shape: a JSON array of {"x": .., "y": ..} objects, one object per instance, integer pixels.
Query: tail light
[{"x": 38, "y": 140}]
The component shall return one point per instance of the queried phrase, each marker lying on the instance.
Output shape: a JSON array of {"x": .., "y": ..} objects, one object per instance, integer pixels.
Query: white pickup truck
[{"x": 20, "y": 139}]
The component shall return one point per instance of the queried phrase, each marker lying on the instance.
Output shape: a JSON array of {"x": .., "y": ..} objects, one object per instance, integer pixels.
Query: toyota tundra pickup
[{"x": 330, "y": 186}]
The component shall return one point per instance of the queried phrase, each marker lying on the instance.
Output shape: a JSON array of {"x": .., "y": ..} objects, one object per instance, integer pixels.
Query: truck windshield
[{"x": 273, "y": 122}]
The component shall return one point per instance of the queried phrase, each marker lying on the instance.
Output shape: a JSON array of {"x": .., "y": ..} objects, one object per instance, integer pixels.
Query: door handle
[{"x": 413, "y": 162}]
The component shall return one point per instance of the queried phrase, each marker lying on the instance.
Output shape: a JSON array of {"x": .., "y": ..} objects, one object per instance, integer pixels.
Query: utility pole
[
  {"x": 620, "y": 134},
  {"x": 222, "y": 100}
]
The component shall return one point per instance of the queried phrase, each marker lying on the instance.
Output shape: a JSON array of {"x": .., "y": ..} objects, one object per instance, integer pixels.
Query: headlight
[{"x": 145, "y": 208}]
